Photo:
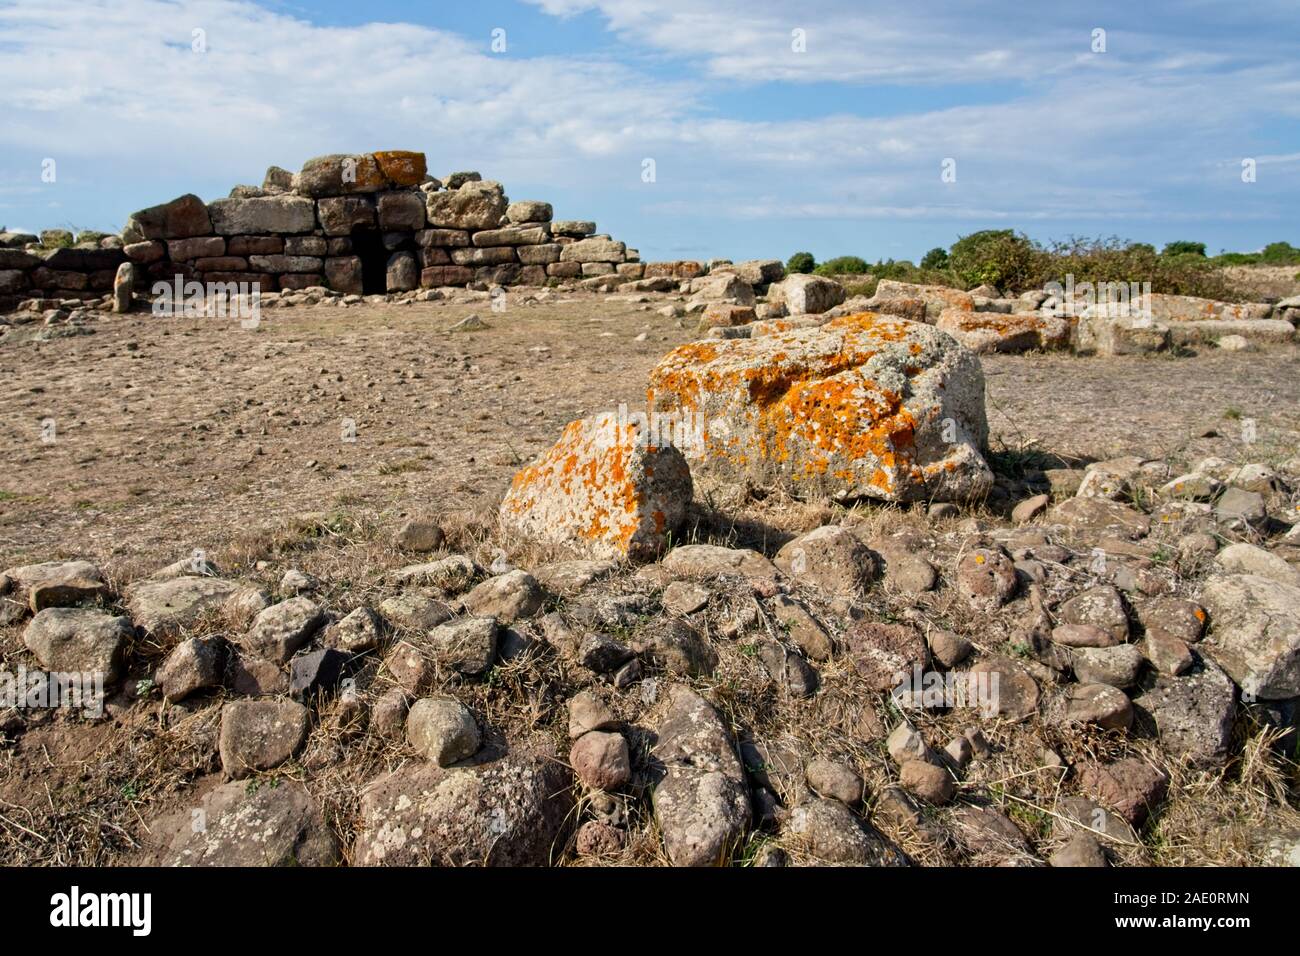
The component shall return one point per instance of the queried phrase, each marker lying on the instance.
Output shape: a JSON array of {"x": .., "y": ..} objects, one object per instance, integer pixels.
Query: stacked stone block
[{"x": 324, "y": 226}]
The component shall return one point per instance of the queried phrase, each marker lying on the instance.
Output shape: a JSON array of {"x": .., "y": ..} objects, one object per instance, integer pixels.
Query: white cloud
[{"x": 115, "y": 84}]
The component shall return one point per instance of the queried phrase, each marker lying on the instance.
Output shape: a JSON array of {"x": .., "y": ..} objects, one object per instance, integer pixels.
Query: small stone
[
  {"x": 587, "y": 712},
  {"x": 1029, "y": 509},
  {"x": 905, "y": 744},
  {"x": 830, "y": 778},
  {"x": 298, "y": 582},
  {"x": 949, "y": 649},
  {"x": 420, "y": 536},
  {"x": 788, "y": 668},
  {"x": 79, "y": 639},
  {"x": 931, "y": 783},
  {"x": 600, "y": 760},
  {"x": 1082, "y": 635},
  {"x": 1102, "y": 705},
  {"x": 316, "y": 671},
  {"x": 596, "y": 839},
  {"x": 1173, "y": 618},
  {"x": 885, "y": 654},
  {"x": 1101, "y": 607},
  {"x": 682, "y": 597},
  {"x": 254, "y": 676},
  {"x": 507, "y": 597},
  {"x": 801, "y": 627},
  {"x": 388, "y": 715},
  {"x": 986, "y": 579},
  {"x": 467, "y": 644},
  {"x": 830, "y": 558},
  {"x": 959, "y": 752},
  {"x": 1130, "y": 786},
  {"x": 259, "y": 735},
  {"x": 282, "y": 628},
  {"x": 442, "y": 730},
  {"x": 356, "y": 633},
  {"x": 1167, "y": 654},
  {"x": 978, "y": 742},
  {"x": 1117, "y": 666},
  {"x": 193, "y": 665},
  {"x": 1082, "y": 850}
]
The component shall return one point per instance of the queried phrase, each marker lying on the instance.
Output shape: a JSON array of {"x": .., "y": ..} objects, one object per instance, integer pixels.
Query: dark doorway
[{"x": 368, "y": 246}]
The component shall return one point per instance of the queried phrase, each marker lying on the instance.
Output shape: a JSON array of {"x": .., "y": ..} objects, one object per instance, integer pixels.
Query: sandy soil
[{"x": 170, "y": 434}]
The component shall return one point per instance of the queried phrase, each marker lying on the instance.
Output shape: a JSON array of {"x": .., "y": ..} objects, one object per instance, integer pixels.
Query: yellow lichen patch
[{"x": 402, "y": 167}]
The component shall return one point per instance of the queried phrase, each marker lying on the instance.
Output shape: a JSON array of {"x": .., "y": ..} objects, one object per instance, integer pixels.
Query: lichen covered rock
[
  {"x": 863, "y": 406},
  {"x": 603, "y": 488}
]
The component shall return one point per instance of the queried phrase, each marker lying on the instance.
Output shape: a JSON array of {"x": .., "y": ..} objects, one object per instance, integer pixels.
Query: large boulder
[
  {"x": 175, "y": 603},
  {"x": 475, "y": 205},
  {"x": 181, "y": 218},
  {"x": 1255, "y": 633},
  {"x": 803, "y": 294},
  {"x": 339, "y": 174},
  {"x": 266, "y": 214},
  {"x": 996, "y": 332},
  {"x": 863, "y": 406},
  {"x": 608, "y": 487},
  {"x": 238, "y": 825},
  {"x": 507, "y": 812},
  {"x": 937, "y": 298},
  {"x": 701, "y": 800},
  {"x": 80, "y": 640},
  {"x": 1187, "y": 308}
]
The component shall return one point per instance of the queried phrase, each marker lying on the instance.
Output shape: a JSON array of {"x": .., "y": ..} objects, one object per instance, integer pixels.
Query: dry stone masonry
[{"x": 354, "y": 224}]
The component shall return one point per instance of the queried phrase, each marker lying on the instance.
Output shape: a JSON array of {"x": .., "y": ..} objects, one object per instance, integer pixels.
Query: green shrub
[
  {"x": 936, "y": 258},
  {"x": 1183, "y": 247},
  {"x": 1111, "y": 260},
  {"x": 1280, "y": 254},
  {"x": 1000, "y": 257},
  {"x": 842, "y": 265},
  {"x": 802, "y": 262}
]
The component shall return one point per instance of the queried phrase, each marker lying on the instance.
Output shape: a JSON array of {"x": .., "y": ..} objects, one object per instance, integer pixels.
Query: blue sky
[{"x": 760, "y": 147}]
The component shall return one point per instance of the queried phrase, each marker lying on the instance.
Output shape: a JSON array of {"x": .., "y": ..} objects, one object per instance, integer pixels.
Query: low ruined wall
[{"x": 367, "y": 223}]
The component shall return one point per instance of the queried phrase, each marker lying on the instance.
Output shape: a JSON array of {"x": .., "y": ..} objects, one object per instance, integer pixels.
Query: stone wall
[{"x": 363, "y": 224}]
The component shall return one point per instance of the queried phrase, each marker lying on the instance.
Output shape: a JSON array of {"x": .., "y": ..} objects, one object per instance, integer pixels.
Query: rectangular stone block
[
  {"x": 222, "y": 264},
  {"x": 564, "y": 270},
  {"x": 445, "y": 275},
  {"x": 197, "y": 248},
  {"x": 343, "y": 274},
  {"x": 434, "y": 256},
  {"x": 512, "y": 236},
  {"x": 541, "y": 255},
  {"x": 266, "y": 214},
  {"x": 401, "y": 211},
  {"x": 285, "y": 263},
  {"x": 597, "y": 268},
  {"x": 305, "y": 246},
  {"x": 448, "y": 238},
  {"x": 295, "y": 281},
  {"x": 339, "y": 215},
  {"x": 493, "y": 255},
  {"x": 254, "y": 245},
  {"x": 595, "y": 249}
]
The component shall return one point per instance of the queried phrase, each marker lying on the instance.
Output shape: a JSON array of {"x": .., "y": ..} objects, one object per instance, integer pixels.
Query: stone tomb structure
[{"x": 369, "y": 223}]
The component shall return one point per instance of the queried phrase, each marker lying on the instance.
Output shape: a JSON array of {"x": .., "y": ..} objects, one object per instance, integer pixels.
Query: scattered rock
[
  {"x": 282, "y": 628},
  {"x": 1255, "y": 633},
  {"x": 196, "y": 664},
  {"x": 442, "y": 730},
  {"x": 700, "y": 801},
  {"x": 259, "y": 735},
  {"x": 508, "y": 597},
  {"x": 81, "y": 640},
  {"x": 508, "y": 812},
  {"x": 600, "y": 760}
]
